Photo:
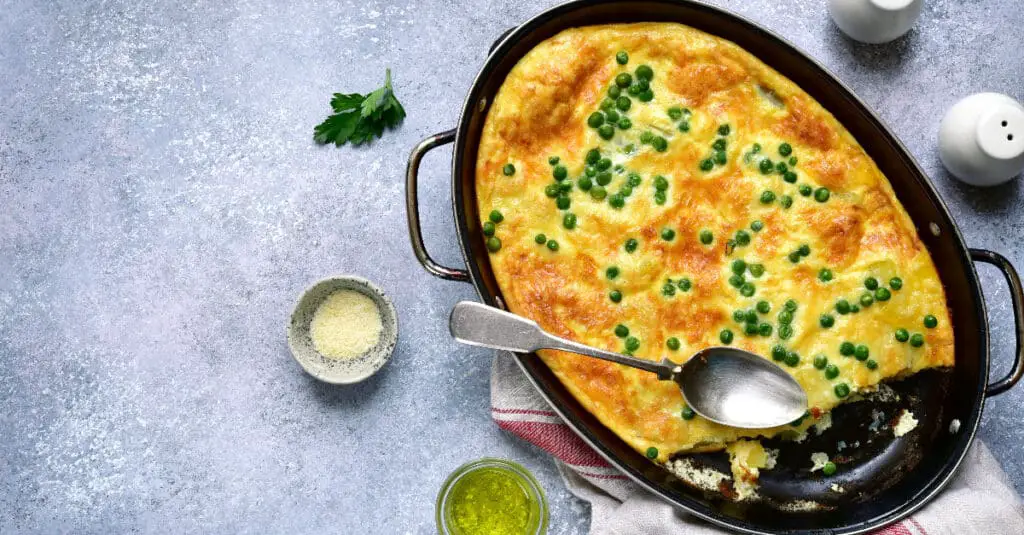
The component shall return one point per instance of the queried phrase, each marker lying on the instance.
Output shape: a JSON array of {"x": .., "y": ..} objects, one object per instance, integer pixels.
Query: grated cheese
[{"x": 346, "y": 325}]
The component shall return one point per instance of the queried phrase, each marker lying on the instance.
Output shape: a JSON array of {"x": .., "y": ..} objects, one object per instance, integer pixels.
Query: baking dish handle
[
  {"x": 412, "y": 208},
  {"x": 1017, "y": 298}
]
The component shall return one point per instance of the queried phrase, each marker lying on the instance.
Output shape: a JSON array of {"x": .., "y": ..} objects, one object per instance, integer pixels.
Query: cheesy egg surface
[{"x": 655, "y": 190}]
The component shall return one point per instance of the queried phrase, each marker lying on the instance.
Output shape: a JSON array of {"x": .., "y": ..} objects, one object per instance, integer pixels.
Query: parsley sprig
[{"x": 358, "y": 119}]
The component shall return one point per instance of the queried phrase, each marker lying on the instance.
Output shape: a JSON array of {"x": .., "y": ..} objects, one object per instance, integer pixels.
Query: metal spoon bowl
[{"x": 726, "y": 385}]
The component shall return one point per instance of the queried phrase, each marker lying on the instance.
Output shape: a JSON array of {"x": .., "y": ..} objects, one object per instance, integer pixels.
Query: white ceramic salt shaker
[
  {"x": 875, "y": 21},
  {"x": 981, "y": 139}
]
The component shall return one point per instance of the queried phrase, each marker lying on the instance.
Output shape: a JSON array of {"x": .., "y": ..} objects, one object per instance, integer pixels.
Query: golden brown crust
[{"x": 541, "y": 110}]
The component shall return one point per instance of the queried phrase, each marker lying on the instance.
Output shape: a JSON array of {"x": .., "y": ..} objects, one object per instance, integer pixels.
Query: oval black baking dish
[{"x": 885, "y": 478}]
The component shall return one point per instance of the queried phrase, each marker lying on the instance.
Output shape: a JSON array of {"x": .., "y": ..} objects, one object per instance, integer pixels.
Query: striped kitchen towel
[{"x": 980, "y": 500}]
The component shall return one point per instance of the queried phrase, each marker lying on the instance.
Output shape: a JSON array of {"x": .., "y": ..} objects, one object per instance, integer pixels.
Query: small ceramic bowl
[{"x": 337, "y": 371}]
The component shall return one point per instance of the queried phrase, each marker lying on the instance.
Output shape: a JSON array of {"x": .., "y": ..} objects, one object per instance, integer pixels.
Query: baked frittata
[{"x": 655, "y": 190}]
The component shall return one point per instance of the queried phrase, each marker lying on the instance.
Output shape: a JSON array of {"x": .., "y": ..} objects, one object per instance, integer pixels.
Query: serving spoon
[{"x": 726, "y": 385}]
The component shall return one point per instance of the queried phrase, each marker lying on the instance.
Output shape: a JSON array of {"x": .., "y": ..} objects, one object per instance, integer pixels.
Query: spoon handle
[{"x": 481, "y": 325}]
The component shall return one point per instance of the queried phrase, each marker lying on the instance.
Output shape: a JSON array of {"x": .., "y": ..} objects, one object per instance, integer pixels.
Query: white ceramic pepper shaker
[
  {"x": 875, "y": 21},
  {"x": 981, "y": 139}
]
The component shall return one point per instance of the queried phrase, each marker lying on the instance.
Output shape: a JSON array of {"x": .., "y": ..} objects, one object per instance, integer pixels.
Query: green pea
[
  {"x": 847, "y": 349},
  {"x": 871, "y": 283},
  {"x": 493, "y": 244},
  {"x": 781, "y": 168},
  {"x": 634, "y": 90},
  {"x": 604, "y": 178},
  {"x": 626, "y": 190},
  {"x": 644, "y": 85},
  {"x": 902, "y": 335},
  {"x": 738, "y": 266},
  {"x": 625, "y": 123},
  {"x": 553, "y": 245},
  {"x": 684, "y": 126},
  {"x": 719, "y": 144},
  {"x": 621, "y": 331},
  {"x": 688, "y": 413},
  {"x": 608, "y": 104},
  {"x": 742, "y": 237},
  {"x": 623, "y": 103},
  {"x": 631, "y": 245},
  {"x": 632, "y": 343},
  {"x": 645, "y": 72},
  {"x": 765, "y": 329},
  {"x": 672, "y": 343},
  {"x": 825, "y": 275},
  {"x": 785, "y": 317},
  {"x": 778, "y": 352},
  {"x": 764, "y": 307},
  {"x": 508, "y": 170},
  {"x": 584, "y": 183},
  {"x": 804, "y": 250},
  {"x": 660, "y": 183},
  {"x": 790, "y": 177},
  {"x": 593, "y": 156},
  {"x": 685, "y": 284},
  {"x": 792, "y": 359},
  {"x": 675, "y": 113},
  {"x": 830, "y": 467},
  {"x": 842, "y": 390},
  {"x": 646, "y": 96},
  {"x": 866, "y": 300},
  {"x": 590, "y": 171},
  {"x": 831, "y": 371},
  {"x": 748, "y": 289},
  {"x": 659, "y": 197},
  {"x": 755, "y": 148},
  {"x": 766, "y": 166},
  {"x": 646, "y": 137},
  {"x": 750, "y": 316},
  {"x": 563, "y": 203},
  {"x": 569, "y": 221},
  {"x": 606, "y": 131},
  {"x": 785, "y": 149},
  {"x": 821, "y": 194},
  {"x": 617, "y": 201},
  {"x": 614, "y": 91},
  {"x": 854, "y": 309},
  {"x": 786, "y": 201},
  {"x": 725, "y": 336},
  {"x": 540, "y": 239},
  {"x": 805, "y": 190},
  {"x": 595, "y": 120},
  {"x": 843, "y": 306},
  {"x": 820, "y": 362},
  {"x": 668, "y": 289},
  {"x": 565, "y": 186},
  {"x": 706, "y": 237},
  {"x": 739, "y": 315},
  {"x": 598, "y": 193},
  {"x": 871, "y": 364},
  {"x": 720, "y": 158},
  {"x": 660, "y": 144},
  {"x": 553, "y": 160},
  {"x": 756, "y": 270},
  {"x": 624, "y": 80},
  {"x": 611, "y": 116},
  {"x": 896, "y": 283},
  {"x": 615, "y": 296},
  {"x": 652, "y": 453},
  {"x": 736, "y": 281},
  {"x": 826, "y": 321},
  {"x": 931, "y": 322},
  {"x": 917, "y": 340},
  {"x": 792, "y": 160},
  {"x": 757, "y": 225},
  {"x": 723, "y": 130},
  {"x": 767, "y": 197},
  {"x": 794, "y": 257},
  {"x": 488, "y": 228},
  {"x": 496, "y": 216},
  {"x": 861, "y": 352},
  {"x": 635, "y": 180},
  {"x": 750, "y": 329},
  {"x": 882, "y": 294},
  {"x": 706, "y": 164},
  {"x": 622, "y": 57}
]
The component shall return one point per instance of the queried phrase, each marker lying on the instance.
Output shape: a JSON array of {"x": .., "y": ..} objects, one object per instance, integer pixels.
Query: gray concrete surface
[{"x": 162, "y": 205}]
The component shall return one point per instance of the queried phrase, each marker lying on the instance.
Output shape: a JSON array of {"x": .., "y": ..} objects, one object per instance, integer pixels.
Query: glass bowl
[{"x": 451, "y": 513}]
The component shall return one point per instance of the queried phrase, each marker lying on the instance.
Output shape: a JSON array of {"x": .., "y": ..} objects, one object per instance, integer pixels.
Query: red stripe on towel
[{"x": 557, "y": 440}]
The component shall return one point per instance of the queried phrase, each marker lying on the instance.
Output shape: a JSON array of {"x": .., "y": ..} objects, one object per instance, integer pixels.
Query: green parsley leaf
[{"x": 358, "y": 119}]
